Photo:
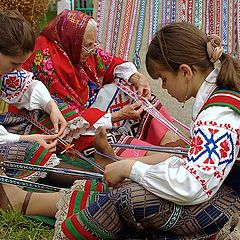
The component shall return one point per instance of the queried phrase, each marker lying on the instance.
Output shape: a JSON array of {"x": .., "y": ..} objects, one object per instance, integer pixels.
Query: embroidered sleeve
[
  {"x": 105, "y": 65},
  {"x": 20, "y": 89},
  {"x": 195, "y": 179}
]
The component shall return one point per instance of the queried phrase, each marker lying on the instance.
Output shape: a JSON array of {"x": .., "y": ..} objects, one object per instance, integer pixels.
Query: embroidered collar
[{"x": 204, "y": 92}]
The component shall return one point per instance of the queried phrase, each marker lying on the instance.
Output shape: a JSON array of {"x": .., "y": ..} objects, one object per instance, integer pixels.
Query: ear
[{"x": 186, "y": 71}]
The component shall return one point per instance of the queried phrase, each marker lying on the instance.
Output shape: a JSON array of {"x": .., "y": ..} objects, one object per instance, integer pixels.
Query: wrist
[
  {"x": 50, "y": 106},
  {"x": 128, "y": 167},
  {"x": 116, "y": 117},
  {"x": 134, "y": 78}
]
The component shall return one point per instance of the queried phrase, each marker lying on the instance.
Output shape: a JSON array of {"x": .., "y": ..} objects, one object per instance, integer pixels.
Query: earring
[{"x": 185, "y": 97}]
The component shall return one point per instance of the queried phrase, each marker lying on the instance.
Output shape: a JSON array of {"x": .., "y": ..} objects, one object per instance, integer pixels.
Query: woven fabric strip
[
  {"x": 196, "y": 20},
  {"x": 230, "y": 28},
  {"x": 139, "y": 33},
  {"x": 164, "y": 12},
  {"x": 125, "y": 31},
  {"x": 155, "y": 17},
  {"x": 211, "y": 17},
  {"x": 224, "y": 25},
  {"x": 117, "y": 25},
  {"x": 235, "y": 37},
  {"x": 100, "y": 19},
  {"x": 200, "y": 13},
  {"x": 168, "y": 16},
  {"x": 133, "y": 23},
  {"x": 207, "y": 19},
  {"x": 173, "y": 12},
  {"x": 110, "y": 22},
  {"x": 189, "y": 12},
  {"x": 218, "y": 17},
  {"x": 238, "y": 28},
  {"x": 150, "y": 21}
]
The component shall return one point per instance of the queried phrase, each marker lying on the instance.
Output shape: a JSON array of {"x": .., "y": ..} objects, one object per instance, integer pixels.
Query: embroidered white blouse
[
  {"x": 19, "y": 89},
  {"x": 214, "y": 147}
]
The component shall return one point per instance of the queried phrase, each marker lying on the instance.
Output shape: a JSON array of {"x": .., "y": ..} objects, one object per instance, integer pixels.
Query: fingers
[
  {"x": 49, "y": 142},
  {"x": 61, "y": 132}
]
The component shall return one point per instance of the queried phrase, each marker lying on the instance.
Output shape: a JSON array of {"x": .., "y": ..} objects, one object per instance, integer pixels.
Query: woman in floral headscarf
[{"x": 69, "y": 62}]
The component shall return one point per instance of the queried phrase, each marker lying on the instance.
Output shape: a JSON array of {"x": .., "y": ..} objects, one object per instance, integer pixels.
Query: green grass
[{"x": 14, "y": 226}]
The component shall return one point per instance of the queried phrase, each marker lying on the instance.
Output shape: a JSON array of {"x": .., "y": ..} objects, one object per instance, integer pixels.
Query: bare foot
[{"x": 101, "y": 145}]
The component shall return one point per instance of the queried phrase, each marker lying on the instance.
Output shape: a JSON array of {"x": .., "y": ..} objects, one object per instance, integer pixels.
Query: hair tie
[{"x": 214, "y": 47}]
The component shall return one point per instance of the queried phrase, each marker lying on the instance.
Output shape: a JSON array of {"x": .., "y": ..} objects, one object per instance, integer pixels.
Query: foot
[{"x": 102, "y": 145}]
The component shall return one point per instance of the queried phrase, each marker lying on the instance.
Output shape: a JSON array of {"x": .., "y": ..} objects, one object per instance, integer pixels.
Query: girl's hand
[
  {"x": 116, "y": 172},
  {"x": 49, "y": 142},
  {"x": 142, "y": 85},
  {"x": 57, "y": 118}
]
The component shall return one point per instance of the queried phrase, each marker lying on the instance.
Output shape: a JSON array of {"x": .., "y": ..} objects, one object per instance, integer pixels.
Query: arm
[
  {"x": 21, "y": 90},
  {"x": 129, "y": 73},
  {"x": 194, "y": 179},
  {"x": 110, "y": 67}
]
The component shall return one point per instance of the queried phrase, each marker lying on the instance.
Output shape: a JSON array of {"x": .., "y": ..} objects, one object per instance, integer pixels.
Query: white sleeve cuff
[
  {"x": 138, "y": 171},
  {"x": 125, "y": 70}
]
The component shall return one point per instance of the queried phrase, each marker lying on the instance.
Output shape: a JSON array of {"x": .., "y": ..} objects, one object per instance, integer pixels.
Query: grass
[{"x": 14, "y": 226}]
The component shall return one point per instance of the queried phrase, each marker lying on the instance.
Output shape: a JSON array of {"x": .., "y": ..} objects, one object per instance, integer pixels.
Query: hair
[
  {"x": 182, "y": 43},
  {"x": 91, "y": 24},
  {"x": 17, "y": 35}
]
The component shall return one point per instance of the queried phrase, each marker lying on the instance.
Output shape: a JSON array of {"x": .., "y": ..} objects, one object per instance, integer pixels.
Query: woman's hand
[
  {"x": 49, "y": 142},
  {"x": 116, "y": 172},
  {"x": 132, "y": 111},
  {"x": 142, "y": 85},
  {"x": 57, "y": 118}
]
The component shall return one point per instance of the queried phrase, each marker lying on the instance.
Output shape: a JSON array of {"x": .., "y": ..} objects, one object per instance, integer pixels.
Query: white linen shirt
[{"x": 213, "y": 150}]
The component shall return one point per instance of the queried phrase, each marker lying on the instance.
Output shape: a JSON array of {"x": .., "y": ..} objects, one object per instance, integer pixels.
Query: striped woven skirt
[{"x": 89, "y": 211}]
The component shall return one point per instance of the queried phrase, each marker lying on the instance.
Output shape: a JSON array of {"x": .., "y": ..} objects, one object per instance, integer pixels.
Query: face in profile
[
  {"x": 11, "y": 63},
  {"x": 173, "y": 82},
  {"x": 89, "y": 44}
]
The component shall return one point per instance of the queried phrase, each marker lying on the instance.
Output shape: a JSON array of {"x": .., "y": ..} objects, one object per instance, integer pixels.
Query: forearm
[{"x": 153, "y": 158}]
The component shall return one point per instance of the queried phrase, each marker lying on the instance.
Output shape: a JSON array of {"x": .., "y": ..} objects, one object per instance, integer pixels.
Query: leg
[{"x": 14, "y": 197}]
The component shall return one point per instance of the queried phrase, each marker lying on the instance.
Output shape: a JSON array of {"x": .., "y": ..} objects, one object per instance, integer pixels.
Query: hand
[
  {"x": 142, "y": 85},
  {"x": 57, "y": 118},
  {"x": 49, "y": 142},
  {"x": 116, "y": 172},
  {"x": 132, "y": 111}
]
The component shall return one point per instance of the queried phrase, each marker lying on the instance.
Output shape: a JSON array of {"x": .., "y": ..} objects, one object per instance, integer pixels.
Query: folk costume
[
  {"x": 180, "y": 198},
  {"x": 89, "y": 85}
]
